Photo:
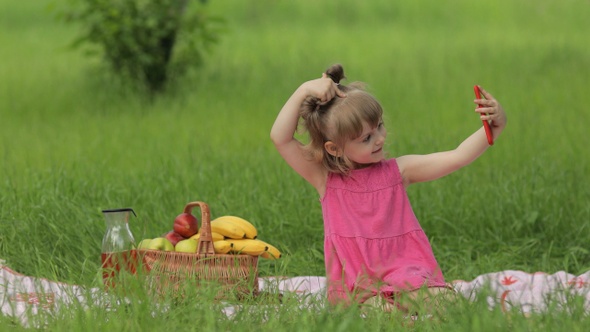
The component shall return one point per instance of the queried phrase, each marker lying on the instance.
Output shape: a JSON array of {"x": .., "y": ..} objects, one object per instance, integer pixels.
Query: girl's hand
[
  {"x": 492, "y": 107},
  {"x": 323, "y": 89}
]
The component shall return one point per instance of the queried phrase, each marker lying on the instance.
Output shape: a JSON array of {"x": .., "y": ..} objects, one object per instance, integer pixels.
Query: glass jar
[{"x": 118, "y": 246}]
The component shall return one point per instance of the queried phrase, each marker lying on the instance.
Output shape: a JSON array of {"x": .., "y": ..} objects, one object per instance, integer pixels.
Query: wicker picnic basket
[{"x": 232, "y": 274}]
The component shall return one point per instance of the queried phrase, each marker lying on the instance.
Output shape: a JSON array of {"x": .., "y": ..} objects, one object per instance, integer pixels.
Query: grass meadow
[{"x": 74, "y": 141}]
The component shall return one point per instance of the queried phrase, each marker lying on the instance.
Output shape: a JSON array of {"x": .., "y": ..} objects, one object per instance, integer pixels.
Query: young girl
[{"x": 375, "y": 250}]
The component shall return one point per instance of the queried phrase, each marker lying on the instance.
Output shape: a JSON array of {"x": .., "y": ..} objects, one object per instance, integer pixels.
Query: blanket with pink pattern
[{"x": 22, "y": 297}]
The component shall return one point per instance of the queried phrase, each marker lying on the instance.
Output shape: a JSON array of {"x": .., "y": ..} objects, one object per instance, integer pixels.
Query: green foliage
[{"x": 149, "y": 41}]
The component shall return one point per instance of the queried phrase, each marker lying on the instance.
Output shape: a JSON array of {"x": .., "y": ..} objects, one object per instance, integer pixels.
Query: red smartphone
[{"x": 486, "y": 124}]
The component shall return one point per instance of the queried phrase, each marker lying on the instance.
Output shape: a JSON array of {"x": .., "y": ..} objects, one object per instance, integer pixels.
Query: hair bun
[{"x": 336, "y": 73}]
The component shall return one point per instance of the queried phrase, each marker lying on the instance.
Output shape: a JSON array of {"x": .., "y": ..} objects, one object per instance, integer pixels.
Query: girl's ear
[{"x": 333, "y": 149}]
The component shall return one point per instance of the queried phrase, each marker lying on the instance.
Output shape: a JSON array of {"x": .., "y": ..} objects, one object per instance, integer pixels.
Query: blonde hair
[{"x": 339, "y": 121}]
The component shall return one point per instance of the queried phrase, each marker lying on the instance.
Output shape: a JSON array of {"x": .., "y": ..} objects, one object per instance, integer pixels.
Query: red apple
[
  {"x": 186, "y": 225},
  {"x": 173, "y": 237}
]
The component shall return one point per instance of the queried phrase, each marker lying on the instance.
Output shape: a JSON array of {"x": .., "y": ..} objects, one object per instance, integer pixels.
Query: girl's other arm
[
  {"x": 285, "y": 125},
  {"x": 421, "y": 168}
]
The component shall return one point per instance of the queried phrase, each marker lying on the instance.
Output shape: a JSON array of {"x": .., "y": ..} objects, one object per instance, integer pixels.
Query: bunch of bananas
[{"x": 232, "y": 234}]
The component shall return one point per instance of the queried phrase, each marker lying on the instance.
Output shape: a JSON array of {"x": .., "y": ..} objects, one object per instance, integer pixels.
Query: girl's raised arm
[
  {"x": 421, "y": 168},
  {"x": 283, "y": 129}
]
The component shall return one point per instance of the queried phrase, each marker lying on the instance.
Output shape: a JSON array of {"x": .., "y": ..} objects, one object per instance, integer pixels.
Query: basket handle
[{"x": 205, "y": 240}]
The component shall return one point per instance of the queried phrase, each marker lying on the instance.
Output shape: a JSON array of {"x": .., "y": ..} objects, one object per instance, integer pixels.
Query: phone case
[{"x": 486, "y": 124}]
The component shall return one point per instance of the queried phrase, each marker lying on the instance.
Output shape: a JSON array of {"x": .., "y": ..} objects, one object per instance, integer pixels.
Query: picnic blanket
[{"x": 22, "y": 297}]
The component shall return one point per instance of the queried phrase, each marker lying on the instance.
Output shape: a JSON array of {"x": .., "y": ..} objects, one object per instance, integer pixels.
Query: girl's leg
[
  {"x": 428, "y": 301},
  {"x": 378, "y": 301}
]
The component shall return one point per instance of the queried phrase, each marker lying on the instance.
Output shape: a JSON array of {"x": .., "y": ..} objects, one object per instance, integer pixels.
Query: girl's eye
[{"x": 368, "y": 138}]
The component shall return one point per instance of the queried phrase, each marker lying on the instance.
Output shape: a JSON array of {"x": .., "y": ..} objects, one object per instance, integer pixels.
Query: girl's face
[{"x": 367, "y": 148}]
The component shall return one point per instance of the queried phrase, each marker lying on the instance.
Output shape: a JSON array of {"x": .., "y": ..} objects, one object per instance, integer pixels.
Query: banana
[
  {"x": 215, "y": 236},
  {"x": 221, "y": 247},
  {"x": 271, "y": 251},
  {"x": 249, "y": 229},
  {"x": 247, "y": 246},
  {"x": 227, "y": 229}
]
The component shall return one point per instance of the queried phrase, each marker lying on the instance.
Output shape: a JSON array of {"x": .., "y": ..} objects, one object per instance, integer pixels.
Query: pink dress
[{"x": 373, "y": 243}]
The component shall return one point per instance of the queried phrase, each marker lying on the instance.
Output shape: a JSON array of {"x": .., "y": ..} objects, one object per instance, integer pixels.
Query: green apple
[
  {"x": 188, "y": 245},
  {"x": 144, "y": 244},
  {"x": 160, "y": 243}
]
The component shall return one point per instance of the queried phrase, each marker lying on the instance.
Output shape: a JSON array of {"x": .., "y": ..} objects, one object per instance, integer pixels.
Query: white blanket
[{"x": 22, "y": 297}]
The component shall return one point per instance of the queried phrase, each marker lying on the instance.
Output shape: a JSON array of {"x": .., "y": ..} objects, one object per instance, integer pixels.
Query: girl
[{"x": 375, "y": 250}]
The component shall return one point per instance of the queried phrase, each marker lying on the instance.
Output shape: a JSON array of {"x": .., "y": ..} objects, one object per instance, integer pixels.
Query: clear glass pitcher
[
  {"x": 118, "y": 236},
  {"x": 118, "y": 246}
]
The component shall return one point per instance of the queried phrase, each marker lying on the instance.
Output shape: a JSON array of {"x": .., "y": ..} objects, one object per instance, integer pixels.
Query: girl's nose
[{"x": 381, "y": 139}]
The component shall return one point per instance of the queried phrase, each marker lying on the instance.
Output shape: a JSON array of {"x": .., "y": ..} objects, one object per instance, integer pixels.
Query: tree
[{"x": 148, "y": 41}]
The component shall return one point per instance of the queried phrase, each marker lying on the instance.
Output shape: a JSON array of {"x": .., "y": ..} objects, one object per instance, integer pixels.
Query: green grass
[{"x": 73, "y": 141}]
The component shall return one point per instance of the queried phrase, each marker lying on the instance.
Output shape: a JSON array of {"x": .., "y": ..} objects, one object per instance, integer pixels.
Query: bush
[{"x": 148, "y": 41}]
